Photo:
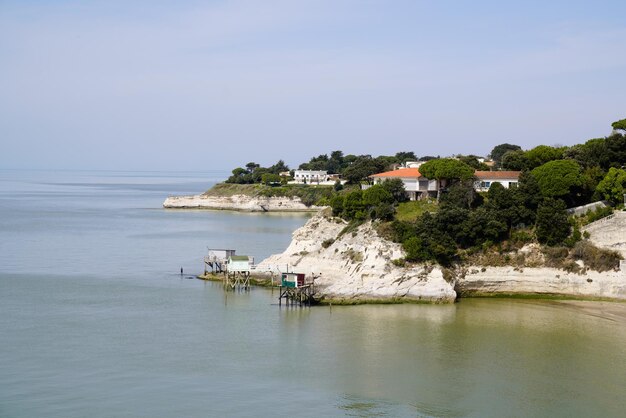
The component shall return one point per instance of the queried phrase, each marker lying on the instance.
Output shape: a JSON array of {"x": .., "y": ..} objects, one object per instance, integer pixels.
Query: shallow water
[{"x": 96, "y": 321}]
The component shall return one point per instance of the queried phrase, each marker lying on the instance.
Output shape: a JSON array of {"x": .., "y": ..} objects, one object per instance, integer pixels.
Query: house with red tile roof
[
  {"x": 418, "y": 186},
  {"x": 484, "y": 179}
]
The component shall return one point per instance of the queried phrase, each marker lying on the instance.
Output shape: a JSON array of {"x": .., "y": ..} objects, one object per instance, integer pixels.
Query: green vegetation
[
  {"x": 377, "y": 202},
  {"x": 309, "y": 195},
  {"x": 254, "y": 173},
  {"x": 619, "y": 125},
  {"x": 447, "y": 171},
  {"x": 464, "y": 226},
  {"x": 613, "y": 186},
  {"x": 558, "y": 178},
  {"x": 411, "y": 211},
  {"x": 552, "y": 227},
  {"x": 500, "y": 150}
]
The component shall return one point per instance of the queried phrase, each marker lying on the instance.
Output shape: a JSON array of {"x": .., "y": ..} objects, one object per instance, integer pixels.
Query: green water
[{"x": 95, "y": 321}]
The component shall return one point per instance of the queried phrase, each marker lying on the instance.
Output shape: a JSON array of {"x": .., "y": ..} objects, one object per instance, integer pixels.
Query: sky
[{"x": 212, "y": 85}]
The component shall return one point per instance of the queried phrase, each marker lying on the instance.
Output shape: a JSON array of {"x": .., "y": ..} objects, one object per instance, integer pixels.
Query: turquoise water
[{"x": 96, "y": 321}]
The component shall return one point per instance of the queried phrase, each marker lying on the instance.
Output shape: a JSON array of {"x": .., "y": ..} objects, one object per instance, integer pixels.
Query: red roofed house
[
  {"x": 484, "y": 179},
  {"x": 416, "y": 185}
]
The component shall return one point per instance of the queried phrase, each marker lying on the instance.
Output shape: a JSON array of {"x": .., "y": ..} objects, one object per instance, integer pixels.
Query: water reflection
[{"x": 507, "y": 354}]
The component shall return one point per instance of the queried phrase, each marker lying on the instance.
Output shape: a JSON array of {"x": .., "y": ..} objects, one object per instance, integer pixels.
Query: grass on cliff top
[
  {"x": 228, "y": 189},
  {"x": 410, "y": 211},
  {"x": 309, "y": 194}
]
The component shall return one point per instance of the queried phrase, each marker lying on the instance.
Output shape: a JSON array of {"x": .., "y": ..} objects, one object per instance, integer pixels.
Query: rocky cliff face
[
  {"x": 239, "y": 202},
  {"x": 541, "y": 281},
  {"x": 357, "y": 267}
]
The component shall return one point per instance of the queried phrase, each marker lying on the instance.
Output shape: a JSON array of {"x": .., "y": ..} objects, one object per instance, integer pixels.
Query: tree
[
  {"x": 384, "y": 212},
  {"x": 436, "y": 246},
  {"x": 558, "y": 178},
  {"x": 507, "y": 204},
  {"x": 472, "y": 161},
  {"x": 446, "y": 170},
  {"x": 251, "y": 166},
  {"x": 499, "y": 150},
  {"x": 542, "y": 154},
  {"x": 552, "y": 227},
  {"x": 515, "y": 160},
  {"x": 396, "y": 188},
  {"x": 619, "y": 125},
  {"x": 362, "y": 168},
  {"x": 279, "y": 167},
  {"x": 353, "y": 206},
  {"x": 427, "y": 158},
  {"x": 336, "y": 162},
  {"x": 337, "y": 203},
  {"x": 480, "y": 226},
  {"x": 616, "y": 150},
  {"x": 461, "y": 194},
  {"x": 613, "y": 186},
  {"x": 529, "y": 195},
  {"x": 240, "y": 176},
  {"x": 403, "y": 157},
  {"x": 270, "y": 178},
  {"x": 375, "y": 195}
]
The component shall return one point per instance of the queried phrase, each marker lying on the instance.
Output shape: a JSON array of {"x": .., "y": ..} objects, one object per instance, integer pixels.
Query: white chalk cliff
[
  {"x": 239, "y": 202},
  {"x": 357, "y": 267}
]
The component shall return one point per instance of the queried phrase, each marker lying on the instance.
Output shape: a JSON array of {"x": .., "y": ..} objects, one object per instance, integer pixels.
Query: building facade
[
  {"x": 310, "y": 176},
  {"x": 484, "y": 179}
]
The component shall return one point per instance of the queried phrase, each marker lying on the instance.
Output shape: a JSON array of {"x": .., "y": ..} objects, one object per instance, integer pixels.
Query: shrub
[
  {"x": 351, "y": 227},
  {"x": 596, "y": 258},
  {"x": 555, "y": 256},
  {"x": 354, "y": 256},
  {"x": 376, "y": 195},
  {"x": 337, "y": 203},
  {"x": 327, "y": 243},
  {"x": 398, "y": 262},
  {"x": 521, "y": 236},
  {"x": 597, "y": 214},
  {"x": 382, "y": 211},
  {"x": 416, "y": 249}
]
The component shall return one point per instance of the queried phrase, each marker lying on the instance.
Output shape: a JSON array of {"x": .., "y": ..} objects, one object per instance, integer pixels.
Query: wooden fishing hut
[
  {"x": 216, "y": 260},
  {"x": 295, "y": 289},
  {"x": 238, "y": 269}
]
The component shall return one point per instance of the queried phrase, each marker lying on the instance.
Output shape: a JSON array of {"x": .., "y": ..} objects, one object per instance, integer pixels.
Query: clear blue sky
[{"x": 215, "y": 84}]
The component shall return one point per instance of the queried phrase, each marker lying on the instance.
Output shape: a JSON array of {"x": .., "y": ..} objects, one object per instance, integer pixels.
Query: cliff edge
[
  {"x": 356, "y": 267},
  {"x": 239, "y": 203}
]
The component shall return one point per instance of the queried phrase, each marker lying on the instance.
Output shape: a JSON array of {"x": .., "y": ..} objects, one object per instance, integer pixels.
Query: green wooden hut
[
  {"x": 294, "y": 280},
  {"x": 238, "y": 264}
]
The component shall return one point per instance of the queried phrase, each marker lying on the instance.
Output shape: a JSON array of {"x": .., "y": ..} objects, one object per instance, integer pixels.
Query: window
[
  {"x": 485, "y": 184},
  {"x": 513, "y": 185}
]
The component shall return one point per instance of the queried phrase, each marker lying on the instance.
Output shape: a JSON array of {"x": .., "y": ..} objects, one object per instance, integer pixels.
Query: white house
[
  {"x": 484, "y": 179},
  {"x": 310, "y": 176},
  {"x": 416, "y": 185}
]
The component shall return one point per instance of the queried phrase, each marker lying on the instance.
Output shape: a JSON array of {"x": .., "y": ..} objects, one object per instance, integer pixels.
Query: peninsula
[{"x": 548, "y": 221}]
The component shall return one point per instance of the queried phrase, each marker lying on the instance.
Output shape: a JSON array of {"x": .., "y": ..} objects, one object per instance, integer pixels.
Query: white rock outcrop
[
  {"x": 239, "y": 202},
  {"x": 357, "y": 267},
  {"x": 542, "y": 280}
]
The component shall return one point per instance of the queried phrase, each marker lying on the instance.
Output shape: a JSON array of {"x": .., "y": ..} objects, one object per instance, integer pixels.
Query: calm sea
[{"x": 96, "y": 321}]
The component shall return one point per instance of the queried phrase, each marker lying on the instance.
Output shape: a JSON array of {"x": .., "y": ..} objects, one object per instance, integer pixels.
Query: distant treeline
[{"x": 352, "y": 168}]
